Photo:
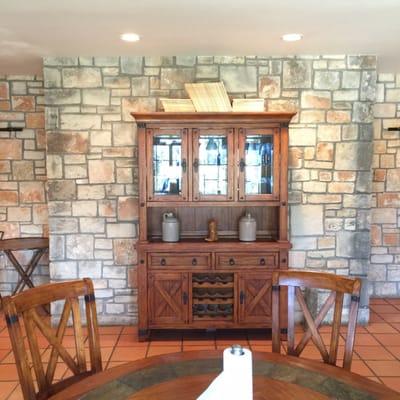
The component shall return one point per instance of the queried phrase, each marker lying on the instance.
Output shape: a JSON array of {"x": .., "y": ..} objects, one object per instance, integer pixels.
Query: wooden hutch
[{"x": 201, "y": 166}]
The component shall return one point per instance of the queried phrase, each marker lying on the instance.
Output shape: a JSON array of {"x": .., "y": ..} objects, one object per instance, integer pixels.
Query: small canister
[
  {"x": 170, "y": 228},
  {"x": 247, "y": 228}
]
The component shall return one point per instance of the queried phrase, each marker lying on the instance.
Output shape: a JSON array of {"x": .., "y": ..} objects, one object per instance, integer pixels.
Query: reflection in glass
[
  {"x": 213, "y": 165},
  {"x": 167, "y": 169},
  {"x": 259, "y": 164}
]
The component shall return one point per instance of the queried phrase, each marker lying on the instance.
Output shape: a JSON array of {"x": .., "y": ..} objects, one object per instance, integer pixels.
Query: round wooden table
[{"x": 184, "y": 376}]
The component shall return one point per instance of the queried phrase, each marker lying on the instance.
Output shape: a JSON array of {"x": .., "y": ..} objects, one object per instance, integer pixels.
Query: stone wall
[
  {"x": 384, "y": 272},
  {"x": 92, "y": 157},
  {"x": 23, "y": 208}
]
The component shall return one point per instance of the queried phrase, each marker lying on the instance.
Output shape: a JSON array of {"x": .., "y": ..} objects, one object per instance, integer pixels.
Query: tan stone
[
  {"x": 376, "y": 235},
  {"x": 341, "y": 187},
  {"x": 40, "y": 214},
  {"x": 19, "y": 214},
  {"x": 101, "y": 171},
  {"x": 380, "y": 175},
  {"x": 137, "y": 104},
  {"x": 391, "y": 239},
  {"x": 384, "y": 110},
  {"x": 35, "y": 120},
  {"x": 328, "y": 133},
  {"x": 312, "y": 116},
  {"x": 393, "y": 180},
  {"x": 316, "y": 99},
  {"x": 379, "y": 146},
  {"x": 269, "y": 86},
  {"x": 314, "y": 187},
  {"x": 32, "y": 192},
  {"x": 338, "y": 116},
  {"x": 295, "y": 157},
  {"x": 107, "y": 208},
  {"x": 125, "y": 251},
  {"x": 68, "y": 142},
  {"x": 4, "y": 90},
  {"x": 389, "y": 200},
  {"x": 128, "y": 208},
  {"x": 5, "y": 105},
  {"x": 384, "y": 215},
  {"x": 309, "y": 153},
  {"x": 325, "y": 176},
  {"x": 8, "y": 197},
  {"x": 11, "y": 149},
  {"x": 325, "y": 151},
  {"x": 5, "y": 166},
  {"x": 11, "y": 230},
  {"x": 387, "y": 161},
  {"x": 23, "y": 103},
  {"x": 345, "y": 176}
]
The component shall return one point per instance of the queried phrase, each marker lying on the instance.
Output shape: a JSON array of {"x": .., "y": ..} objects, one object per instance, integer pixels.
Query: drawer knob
[
  {"x": 163, "y": 261},
  {"x": 194, "y": 261},
  {"x": 262, "y": 261},
  {"x": 231, "y": 261}
]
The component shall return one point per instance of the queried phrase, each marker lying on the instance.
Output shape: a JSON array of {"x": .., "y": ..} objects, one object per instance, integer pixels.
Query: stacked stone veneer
[
  {"x": 92, "y": 157},
  {"x": 384, "y": 272},
  {"x": 23, "y": 208}
]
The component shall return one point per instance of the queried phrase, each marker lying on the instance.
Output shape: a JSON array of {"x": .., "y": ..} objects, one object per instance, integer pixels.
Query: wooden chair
[
  {"x": 23, "y": 306},
  {"x": 339, "y": 286}
]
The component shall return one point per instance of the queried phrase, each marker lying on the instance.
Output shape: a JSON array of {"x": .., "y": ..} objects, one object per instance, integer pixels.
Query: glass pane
[
  {"x": 167, "y": 169},
  {"x": 213, "y": 165},
  {"x": 259, "y": 153}
]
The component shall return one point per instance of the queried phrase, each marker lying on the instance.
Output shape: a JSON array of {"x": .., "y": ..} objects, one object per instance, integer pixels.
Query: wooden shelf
[
  {"x": 217, "y": 285},
  {"x": 212, "y": 301}
]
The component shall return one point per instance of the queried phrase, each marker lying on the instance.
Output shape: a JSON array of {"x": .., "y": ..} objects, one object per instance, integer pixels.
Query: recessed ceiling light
[
  {"x": 130, "y": 37},
  {"x": 292, "y": 37}
]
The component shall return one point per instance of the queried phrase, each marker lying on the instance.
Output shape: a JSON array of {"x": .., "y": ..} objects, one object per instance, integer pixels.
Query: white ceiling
[{"x": 31, "y": 29}]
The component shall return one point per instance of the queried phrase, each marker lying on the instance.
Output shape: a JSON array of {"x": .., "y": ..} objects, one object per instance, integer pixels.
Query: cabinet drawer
[
  {"x": 176, "y": 261},
  {"x": 247, "y": 260}
]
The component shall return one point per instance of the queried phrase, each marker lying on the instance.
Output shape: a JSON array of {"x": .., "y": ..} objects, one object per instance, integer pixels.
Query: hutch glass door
[
  {"x": 212, "y": 164},
  {"x": 167, "y": 178},
  {"x": 258, "y": 164}
]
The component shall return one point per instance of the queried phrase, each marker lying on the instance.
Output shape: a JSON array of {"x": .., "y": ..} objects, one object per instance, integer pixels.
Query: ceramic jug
[
  {"x": 170, "y": 228},
  {"x": 247, "y": 228}
]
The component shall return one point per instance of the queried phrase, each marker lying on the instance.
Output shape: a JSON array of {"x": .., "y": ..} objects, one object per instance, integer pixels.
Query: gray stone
[
  {"x": 307, "y": 220},
  {"x": 296, "y": 74},
  {"x": 362, "y": 112},
  {"x": 229, "y": 59},
  {"x": 140, "y": 86},
  {"x": 82, "y": 77},
  {"x": 361, "y": 62},
  {"x": 106, "y": 61},
  {"x": 239, "y": 78},
  {"x": 117, "y": 82},
  {"x": 56, "y": 247},
  {"x": 80, "y": 121},
  {"x": 368, "y": 86},
  {"x": 353, "y": 244},
  {"x": 366, "y": 131},
  {"x": 84, "y": 208},
  {"x": 124, "y": 134},
  {"x": 364, "y": 181},
  {"x": 62, "y": 96},
  {"x": 63, "y": 270},
  {"x": 91, "y": 225},
  {"x": 96, "y": 97},
  {"x": 52, "y": 78},
  {"x": 62, "y": 190},
  {"x": 186, "y": 61},
  {"x": 352, "y": 156},
  {"x": 23, "y": 170},
  {"x": 207, "y": 71},
  {"x": 205, "y": 59},
  {"x": 351, "y": 80},
  {"x": 89, "y": 269},
  {"x": 60, "y": 61},
  {"x": 357, "y": 200},
  {"x": 59, "y": 226},
  {"x": 80, "y": 247},
  {"x": 326, "y": 80},
  {"x": 137, "y": 104},
  {"x": 393, "y": 180},
  {"x": 132, "y": 65},
  {"x": 175, "y": 78}
]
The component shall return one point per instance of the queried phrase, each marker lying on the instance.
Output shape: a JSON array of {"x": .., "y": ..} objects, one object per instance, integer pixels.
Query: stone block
[
  {"x": 100, "y": 138},
  {"x": 286, "y": 105},
  {"x": 107, "y": 208},
  {"x": 19, "y": 214},
  {"x": 32, "y": 192},
  {"x": 11, "y": 149},
  {"x": 175, "y": 78},
  {"x": 357, "y": 201},
  {"x": 128, "y": 208},
  {"x": 117, "y": 82},
  {"x": 324, "y": 151},
  {"x": 393, "y": 95},
  {"x": 132, "y": 65},
  {"x": 297, "y": 259},
  {"x": 368, "y": 86},
  {"x": 296, "y": 74},
  {"x": 91, "y": 225},
  {"x": 101, "y": 171},
  {"x": 315, "y": 99},
  {"x": 76, "y": 122},
  {"x": 312, "y": 116},
  {"x": 385, "y": 110},
  {"x": 326, "y": 80},
  {"x": 269, "y": 87},
  {"x": 89, "y": 269},
  {"x": 239, "y": 78},
  {"x": 307, "y": 220},
  {"x": 63, "y": 270},
  {"x": 384, "y": 215},
  {"x": 328, "y": 133},
  {"x": 361, "y": 62},
  {"x": 389, "y": 200},
  {"x": 341, "y": 187},
  {"x": 351, "y": 80},
  {"x": 96, "y": 97},
  {"x": 122, "y": 230},
  {"x": 68, "y": 142},
  {"x": 54, "y": 167},
  {"x": 338, "y": 117},
  {"x": 62, "y": 190},
  {"x": 59, "y": 208},
  {"x": 302, "y": 136},
  {"x": 58, "y": 226},
  {"x": 207, "y": 71},
  {"x": 393, "y": 180},
  {"x": 80, "y": 247},
  {"x": 314, "y": 187},
  {"x": 351, "y": 156},
  {"x": 140, "y": 86},
  {"x": 140, "y": 104},
  {"x": 22, "y": 170},
  {"x": 353, "y": 244},
  {"x": 23, "y": 103},
  {"x": 91, "y": 192},
  {"x": 124, "y": 134},
  {"x": 82, "y": 77},
  {"x": 62, "y": 96},
  {"x": 4, "y": 91},
  {"x": 40, "y": 214},
  {"x": 363, "y": 112},
  {"x": 56, "y": 247}
]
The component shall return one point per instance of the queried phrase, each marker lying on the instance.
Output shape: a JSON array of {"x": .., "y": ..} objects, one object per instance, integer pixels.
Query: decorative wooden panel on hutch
[{"x": 203, "y": 166}]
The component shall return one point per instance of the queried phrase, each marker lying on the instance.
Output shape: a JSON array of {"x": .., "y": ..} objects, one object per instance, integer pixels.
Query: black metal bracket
[
  {"x": 276, "y": 288},
  {"x": 90, "y": 297},
  {"x": 12, "y": 319},
  {"x": 355, "y": 298}
]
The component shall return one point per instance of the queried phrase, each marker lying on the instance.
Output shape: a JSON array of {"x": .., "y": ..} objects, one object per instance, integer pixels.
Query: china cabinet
[{"x": 203, "y": 166}]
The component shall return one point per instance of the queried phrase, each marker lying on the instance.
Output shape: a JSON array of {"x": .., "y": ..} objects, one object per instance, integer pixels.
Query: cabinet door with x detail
[
  {"x": 168, "y": 298},
  {"x": 255, "y": 298}
]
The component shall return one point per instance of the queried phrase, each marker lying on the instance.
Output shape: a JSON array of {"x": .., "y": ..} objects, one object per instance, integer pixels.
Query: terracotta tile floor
[{"x": 376, "y": 353}]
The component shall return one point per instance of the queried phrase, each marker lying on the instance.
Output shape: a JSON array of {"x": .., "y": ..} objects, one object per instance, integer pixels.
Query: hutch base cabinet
[{"x": 202, "y": 167}]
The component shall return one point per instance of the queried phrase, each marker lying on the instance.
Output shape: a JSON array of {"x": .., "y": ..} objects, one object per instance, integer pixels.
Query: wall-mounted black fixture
[
  {"x": 11, "y": 129},
  {"x": 394, "y": 128}
]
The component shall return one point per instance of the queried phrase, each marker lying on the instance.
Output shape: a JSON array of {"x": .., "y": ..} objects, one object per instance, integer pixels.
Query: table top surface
[
  {"x": 185, "y": 375},
  {"x": 28, "y": 243}
]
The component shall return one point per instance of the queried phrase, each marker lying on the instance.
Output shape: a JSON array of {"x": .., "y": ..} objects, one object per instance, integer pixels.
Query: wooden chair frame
[
  {"x": 24, "y": 306},
  {"x": 339, "y": 286}
]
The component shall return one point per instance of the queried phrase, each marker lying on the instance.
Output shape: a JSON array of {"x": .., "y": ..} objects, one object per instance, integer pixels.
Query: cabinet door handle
[
  {"x": 242, "y": 164},
  {"x": 262, "y": 261},
  {"x": 185, "y": 298},
  {"x": 196, "y": 165},
  {"x": 184, "y": 165},
  {"x": 163, "y": 262},
  {"x": 194, "y": 261},
  {"x": 241, "y": 297},
  {"x": 231, "y": 261}
]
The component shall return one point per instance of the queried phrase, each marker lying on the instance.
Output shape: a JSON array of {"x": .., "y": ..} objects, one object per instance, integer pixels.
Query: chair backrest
[
  {"x": 24, "y": 306},
  {"x": 338, "y": 287}
]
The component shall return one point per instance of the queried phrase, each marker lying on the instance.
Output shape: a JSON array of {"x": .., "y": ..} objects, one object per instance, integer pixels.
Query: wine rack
[{"x": 213, "y": 296}]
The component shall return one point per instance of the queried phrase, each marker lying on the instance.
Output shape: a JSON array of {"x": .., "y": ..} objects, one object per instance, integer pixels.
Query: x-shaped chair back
[
  {"x": 24, "y": 307},
  {"x": 338, "y": 287}
]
